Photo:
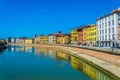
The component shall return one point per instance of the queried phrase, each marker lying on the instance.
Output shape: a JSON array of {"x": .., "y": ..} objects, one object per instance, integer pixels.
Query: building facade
[
  {"x": 41, "y": 39},
  {"x": 108, "y": 29},
  {"x": 80, "y": 35},
  {"x": 44, "y": 39},
  {"x": 66, "y": 38},
  {"x": 91, "y": 35},
  {"x": 63, "y": 38},
  {"x": 74, "y": 36},
  {"x": 84, "y": 34},
  {"x": 60, "y": 39},
  {"x": 52, "y": 39},
  {"x": 29, "y": 41},
  {"x": 19, "y": 40},
  {"x": 37, "y": 39},
  {"x": 8, "y": 40},
  {"x": 11, "y": 40},
  {"x": 3, "y": 41}
]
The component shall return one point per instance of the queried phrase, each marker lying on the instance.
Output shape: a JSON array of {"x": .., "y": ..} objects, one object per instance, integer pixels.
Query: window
[
  {"x": 99, "y": 21},
  {"x": 112, "y": 22},
  {"x": 112, "y": 29},
  {"x": 105, "y": 37},
  {"x": 105, "y": 24},
  {"x": 119, "y": 16},
  {"x": 102, "y": 31},
  {"x": 109, "y": 37},
  {"x": 112, "y": 17},
  {"x": 109, "y": 30},
  {"x": 102, "y": 37},
  {"x": 113, "y": 37},
  {"x": 109, "y": 18},
  {"x": 102, "y": 25},
  {"x": 108, "y": 23},
  {"x": 95, "y": 33},
  {"x": 106, "y": 19},
  {"x": 102, "y": 20},
  {"x": 105, "y": 31}
]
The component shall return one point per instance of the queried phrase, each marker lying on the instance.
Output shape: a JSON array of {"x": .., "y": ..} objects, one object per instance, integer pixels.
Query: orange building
[{"x": 81, "y": 34}]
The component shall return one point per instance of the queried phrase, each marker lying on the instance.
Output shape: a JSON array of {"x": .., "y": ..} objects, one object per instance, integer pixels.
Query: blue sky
[{"x": 29, "y": 17}]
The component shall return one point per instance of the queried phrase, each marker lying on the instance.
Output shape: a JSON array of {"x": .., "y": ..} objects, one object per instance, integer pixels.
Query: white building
[
  {"x": 13, "y": 40},
  {"x": 19, "y": 41},
  {"x": 52, "y": 39},
  {"x": 108, "y": 29}
]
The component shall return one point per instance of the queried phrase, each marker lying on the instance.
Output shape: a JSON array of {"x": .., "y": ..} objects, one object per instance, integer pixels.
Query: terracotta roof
[
  {"x": 116, "y": 10},
  {"x": 81, "y": 27},
  {"x": 28, "y": 38},
  {"x": 22, "y": 38}
]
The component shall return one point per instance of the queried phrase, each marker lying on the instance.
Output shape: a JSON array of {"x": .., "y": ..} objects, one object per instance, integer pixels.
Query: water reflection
[
  {"x": 2, "y": 50},
  {"x": 94, "y": 73},
  {"x": 77, "y": 64},
  {"x": 21, "y": 49}
]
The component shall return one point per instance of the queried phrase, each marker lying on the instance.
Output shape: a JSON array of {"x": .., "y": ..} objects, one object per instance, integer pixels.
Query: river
[{"x": 35, "y": 63}]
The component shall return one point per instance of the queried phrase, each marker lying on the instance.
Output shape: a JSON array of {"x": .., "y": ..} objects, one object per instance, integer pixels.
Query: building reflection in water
[
  {"x": 62, "y": 55},
  {"x": 52, "y": 53},
  {"x": 1, "y": 51},
  {"x": 22, "y": 49},
  {"x": 39, "y": 51},
  {"x": 76, "y": 63},
  {"x": 46, "y": 52},
  {"x": 94, "y": 73},
  {"x": 29, "y": 49}
]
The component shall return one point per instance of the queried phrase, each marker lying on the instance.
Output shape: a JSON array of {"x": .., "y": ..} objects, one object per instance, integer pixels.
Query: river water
[{"x": 35, "y": 63}]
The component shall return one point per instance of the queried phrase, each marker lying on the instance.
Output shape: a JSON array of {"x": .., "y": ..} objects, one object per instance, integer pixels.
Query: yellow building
[
  {"x": 91, "y": 34},
  {"x": 3, "y": 41},
  {"x": 63, "y": 38},
  {"x": 37, "y": 39},
  {"x": 42, "y": 39},
  {"x": 74, "y": 36},
  {"x": 29, "y": 41}
]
